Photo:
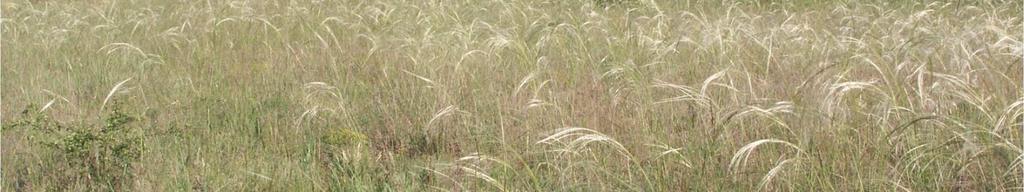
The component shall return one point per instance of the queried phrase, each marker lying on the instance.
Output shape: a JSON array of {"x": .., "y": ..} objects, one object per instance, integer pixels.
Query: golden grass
[{"x": 525, "y": 95}]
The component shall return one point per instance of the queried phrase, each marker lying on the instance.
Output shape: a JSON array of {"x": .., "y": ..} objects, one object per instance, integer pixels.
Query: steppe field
[{"x": 512, "y": 95}]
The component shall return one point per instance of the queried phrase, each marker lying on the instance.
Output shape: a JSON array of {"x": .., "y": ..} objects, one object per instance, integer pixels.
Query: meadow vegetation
[{"x": 511, "y": 95}]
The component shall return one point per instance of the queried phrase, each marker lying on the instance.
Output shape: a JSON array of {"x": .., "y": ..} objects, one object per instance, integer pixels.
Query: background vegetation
[{"x": 531, "y": 95}]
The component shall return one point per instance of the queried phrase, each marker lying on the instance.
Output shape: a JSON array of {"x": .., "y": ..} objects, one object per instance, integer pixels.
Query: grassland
[{"x": 531, "y": 95}]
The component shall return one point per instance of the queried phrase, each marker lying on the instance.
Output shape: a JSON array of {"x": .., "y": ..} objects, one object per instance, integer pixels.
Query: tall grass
[{"x": 530, "y": 95}]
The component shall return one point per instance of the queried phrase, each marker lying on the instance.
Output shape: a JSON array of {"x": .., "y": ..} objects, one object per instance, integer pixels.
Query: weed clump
[
  {"x": 94, "y": 157},
  {"x": 344, "y": 138}
]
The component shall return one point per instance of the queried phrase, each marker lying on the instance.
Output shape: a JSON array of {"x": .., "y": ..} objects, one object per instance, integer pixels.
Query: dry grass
[{"x": 531, "y": 95}]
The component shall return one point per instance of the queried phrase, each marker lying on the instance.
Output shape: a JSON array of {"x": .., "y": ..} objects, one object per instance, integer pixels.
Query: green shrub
[{"x": 97, "y": 157}]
